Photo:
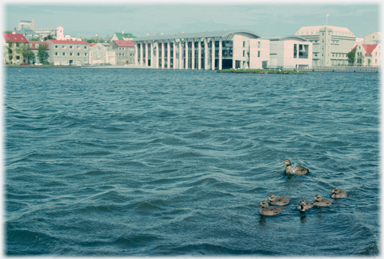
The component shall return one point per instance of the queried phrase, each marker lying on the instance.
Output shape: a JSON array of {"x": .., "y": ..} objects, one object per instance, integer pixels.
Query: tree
[
  {"x": 42, "y": 53},
  {"x": 25, "y": 52},
  {"x": 49, "y": 37},
  {"x": 351, "y": 56}
]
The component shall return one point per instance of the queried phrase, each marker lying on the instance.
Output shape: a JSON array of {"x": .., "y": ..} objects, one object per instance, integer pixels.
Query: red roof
[
  {"x": 92, "y": 44},
  {"x": 125, "y": 43},
  {"x": 69, "y": 42},
  {"x": 9, "y": 37},
  {"x": 369, "y": 48},
  {"x": 34, "y": 44}
]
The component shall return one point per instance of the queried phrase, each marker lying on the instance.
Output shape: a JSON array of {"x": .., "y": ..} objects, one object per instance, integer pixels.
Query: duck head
[
  {"x": 271, "y": 197},
  {"x": 317, "y": 197},
  {"x": 335, "y": 190},
  {"x": 287, "y": 162},
  {"x": 263, "y": 204}
]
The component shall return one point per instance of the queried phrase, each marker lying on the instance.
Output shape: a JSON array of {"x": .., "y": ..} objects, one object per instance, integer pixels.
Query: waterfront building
[
  {"x": 100, "y": 55},
  {"x": 29, "y": 34},
  {"x": 125, "y": 51},
  {"x": 330, "y": 44},
  {"x": 26, "y": 24},
  {"x": 373, "y": 38},
  {"x": 42, "y": 32},
  {"x": 204, "y": 50},
  {"x": 60, "y": 35},
  {"x": 368, "y": 54},
  {"x": 68, "y": 52},
  {"x": 13, "y": 42},
  {"x": 34, "y": 46},
  {"x": 290, "y": 52},
  {"x": 122, "y": 36}
]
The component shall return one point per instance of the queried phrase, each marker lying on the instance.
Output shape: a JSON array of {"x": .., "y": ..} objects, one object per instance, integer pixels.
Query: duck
[
  {"x": 279, "y": 200},
  {"x": 338, "y": 193},
  {"x": 267, "y": 210},
  {"x": 298, "y": 169},
  {"x": 321, "y": 202},
  {"x": 304, "y": 205}
]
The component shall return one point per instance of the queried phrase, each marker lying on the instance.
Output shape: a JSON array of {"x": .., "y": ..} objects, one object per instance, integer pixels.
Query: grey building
[{"x": 68, "y": 52}]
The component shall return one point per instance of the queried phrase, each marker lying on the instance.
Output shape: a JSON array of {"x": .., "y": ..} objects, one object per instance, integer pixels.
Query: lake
[{"x": 142, "y": 162}]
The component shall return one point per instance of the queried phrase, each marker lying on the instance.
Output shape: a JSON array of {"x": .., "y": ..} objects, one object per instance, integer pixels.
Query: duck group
[{"x": 269, "y": 209}]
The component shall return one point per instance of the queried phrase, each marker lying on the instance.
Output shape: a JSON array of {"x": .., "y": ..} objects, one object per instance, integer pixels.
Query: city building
[
  {"x": 29, "y": 34},
  {"x": 125, "y": 51},
  {"x": 373, "y": 38},
  {"x": 13, "y": 42},
  {"x": 368, "y": 54},
  {"x": 68, "y": 52},
  {"x": 100, "y": 55},
  {"x": 290, "y": 52},
  {"x": 34, "y": 46},
  {"x": 122, "y": 36},
  {"x": 60, "y": 35},
  {"x": 205, "y": 50},
  {"x": 330, "y": 44},
  {"x": 42, "y": 32}
]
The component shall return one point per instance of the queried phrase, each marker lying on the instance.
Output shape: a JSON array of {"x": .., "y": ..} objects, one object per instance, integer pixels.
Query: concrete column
[
  {"x": 193, "y": 55},
  {"x": 168, "y": 54},
  {"x": 153, "y": 60},
  {"x": 220, "y": 54},
  {"x": 180, "y": 53},
  {"x": 186, "y": 55},
  {"x": 141, "y": 54},
  {"x": 136, "y": 54},
  {"x": 206, "y": 54},
  {"x": 174, "y": 54},
  {"x": 213, "y": 55},
  {"x": 146, "y": 54},
  {"x": 157, "y": 54},
  {"x": 162, "y": 54},
  {"x": 199, "y": 59}
]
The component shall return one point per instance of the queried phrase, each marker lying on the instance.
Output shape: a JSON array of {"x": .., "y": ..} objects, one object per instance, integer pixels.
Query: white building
[
  {"x": 368, "y": 54},
  {"x": 205, "y": 50},
  {"x": 61, "y": 36},
  {"x": 373, "y": 38},
  {"x": 290, "y": 52},
  {"x": 330, "y": 44},
  {"x": 99, "y": 54}
]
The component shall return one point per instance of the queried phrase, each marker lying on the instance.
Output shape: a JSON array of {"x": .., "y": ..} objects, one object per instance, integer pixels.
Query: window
[
  {"x": 63, "y": 47},
  {"x": 63, "y": 53},
  {"x": 70, "y": 53},
  {"x": 85, "y": 54},
  {"x": 56, "y": 54},
  {"x": 71, "y": 47},
  {"x": 258, "y": 44},
  {"x": 78, "y": 54},
  {"x": 56, "y": 46},
  {"x": 243, "y": 53},
  {"x": 85, "y": 47},
  {"x": 244, "y": 44},
  {"x": 258, "y": 54}
]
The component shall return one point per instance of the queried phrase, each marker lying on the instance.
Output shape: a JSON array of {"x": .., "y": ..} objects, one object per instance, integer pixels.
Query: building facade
[
  {"x": 124, "y": 51},
  {"x": 330, "y": 44},
  {"x": 13, "y": 42},
  {"x": 42, "y": 32},
  {"x": 373, "y": 38},
  {"x": 205, "y": 50},
  {"x": 34, "y": 46},
  {"x": 100, "y": 55},
  {"x": 290, "y": 52},
  {"x": 68, "y": 53},
  {"x": 368, "y": 54},
  {"x": 122, "y": 36}
]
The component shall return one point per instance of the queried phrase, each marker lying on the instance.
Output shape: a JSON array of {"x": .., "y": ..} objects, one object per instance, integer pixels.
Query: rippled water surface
[{"x": 159, "y": 162}]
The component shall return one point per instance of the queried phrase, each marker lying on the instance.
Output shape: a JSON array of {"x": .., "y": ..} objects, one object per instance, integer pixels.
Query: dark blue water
[{"x": 154, "y": 162}]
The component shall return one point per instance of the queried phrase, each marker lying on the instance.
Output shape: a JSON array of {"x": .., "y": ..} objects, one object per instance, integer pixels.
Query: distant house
[
  {"x": 68, "y": 53},
  {"x": 368, "y": 54},
  {"x": 122, "y": 36},
  {"x": 373, "y": 38},
  {"x": 125, "y": 51},
  {"x": 13, "y": 42},
  {"x": 28, "y": 33},
  {"x": 99, "y": 54},
  {"x": 293, "y": 52},
  {"x": 34, "y": 46}
]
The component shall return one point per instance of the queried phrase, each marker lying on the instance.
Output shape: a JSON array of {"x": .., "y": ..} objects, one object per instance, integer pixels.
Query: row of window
[
  {"x": 71, "y": 54},
  {"x": 70, "y": 47}
]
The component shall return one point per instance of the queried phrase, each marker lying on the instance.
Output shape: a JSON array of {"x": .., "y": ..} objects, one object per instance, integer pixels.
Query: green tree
[
  {"x": 25, "y": 52},
  {"x": 49, "y": 37},
  {"x": 42, "y": 53},
  {"x": 351, "y": 56}
]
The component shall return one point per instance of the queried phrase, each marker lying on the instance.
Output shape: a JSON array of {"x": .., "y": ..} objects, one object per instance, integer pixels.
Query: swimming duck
[
  {"x": 279, "y": 200},
  {"x": 267, "y": 210},
  {"x": 304, "y": 205},
  {"x": 338, "y": 193},
  {"x": 298, "y": 169},
  {"x": 321, "y": 202}
]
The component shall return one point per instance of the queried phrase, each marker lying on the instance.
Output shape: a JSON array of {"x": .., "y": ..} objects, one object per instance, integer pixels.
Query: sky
[{"x": 88, "y": 18}]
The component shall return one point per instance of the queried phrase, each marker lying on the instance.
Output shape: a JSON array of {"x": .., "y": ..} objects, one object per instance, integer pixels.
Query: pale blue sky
[{"x": 277, "y": 19}]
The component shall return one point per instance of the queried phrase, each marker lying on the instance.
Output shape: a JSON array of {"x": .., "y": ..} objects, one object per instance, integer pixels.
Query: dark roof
[{"x": 208, "y": 34}]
